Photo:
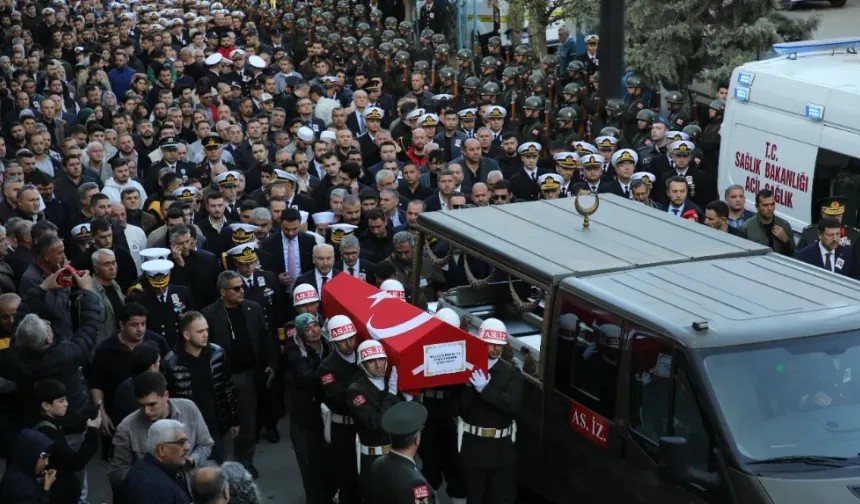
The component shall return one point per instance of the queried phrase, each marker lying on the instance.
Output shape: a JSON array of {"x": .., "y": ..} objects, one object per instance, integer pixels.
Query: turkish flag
[{"x": 427, "y": 351}]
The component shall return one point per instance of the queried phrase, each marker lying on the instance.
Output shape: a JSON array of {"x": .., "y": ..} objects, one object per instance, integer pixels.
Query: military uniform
[
  {"x": 368, "y": 404},
  {"x": 628, "y": 117},
  {"x": 336, "y": 374},
  {"x": 438, "y": 448},
  {"x": 833, "y": 206},
  {"x": 164, "y": 312}
]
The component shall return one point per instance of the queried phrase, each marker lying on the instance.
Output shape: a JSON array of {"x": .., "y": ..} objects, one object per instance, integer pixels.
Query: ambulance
[{"x": 792, "y": 125}]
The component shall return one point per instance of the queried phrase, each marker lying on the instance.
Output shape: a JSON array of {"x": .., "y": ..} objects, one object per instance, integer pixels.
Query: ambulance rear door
[{"x": 837, "y": 167}]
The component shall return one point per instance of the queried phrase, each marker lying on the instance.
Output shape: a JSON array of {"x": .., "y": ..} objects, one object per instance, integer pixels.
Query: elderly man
[
  {"x": 210, "y": 486},
  {"x": 133, "y": 439},
  {"x": 323, "y": 271},
  {"x": 350, "y": 251},
  {"x": 157, "y": 477},
  {"x": 109, "y": 292}
]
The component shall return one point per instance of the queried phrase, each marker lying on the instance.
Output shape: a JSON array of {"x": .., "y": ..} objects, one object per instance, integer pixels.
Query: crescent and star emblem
[{"x": 387, "y": 332}]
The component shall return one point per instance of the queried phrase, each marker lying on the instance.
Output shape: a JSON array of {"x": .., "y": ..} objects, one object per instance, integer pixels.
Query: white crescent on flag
[{"x": 387, "y": 332}]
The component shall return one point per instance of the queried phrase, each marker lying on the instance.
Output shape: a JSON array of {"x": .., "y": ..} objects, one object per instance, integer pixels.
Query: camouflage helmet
[
  {"x": 421, "y": 66},
  {"x": 718, "y": 105},
  {"x": 572, "y": 88},
  {"x": 447, "y": 73},
  {"x": 366, "y": 43},
  {"x": 674, "y": 96},
  {"x": 533, "y": 102},
  {"x": 614, "y": 105},
  {"x": 494, "y": 42},
  {"x": 391, "y": 22},
  {"x": 402, "y": 57},
  {"x": 694, "y": 132},
  {"x": 471, "y": 83},
  {"x": 465, "y": 54},
  {"x": 575, "y": 66},
  {"x": 646, "y": 115},
  {"x": 491, "y": 88},
  {"x": 635, "y": 81},
  {"x": 488, "y": 62},
  {"x": 438, "y": 38},
  {"x": 568, "y": 114},
  {"x": 611, "y": 131}
]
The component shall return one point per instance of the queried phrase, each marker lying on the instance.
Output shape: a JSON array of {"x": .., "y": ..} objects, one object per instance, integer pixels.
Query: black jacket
[
  {"x": 67, "y": 488},
  {"x": 303, "y": 363},
  {"x": 394, "y": 479},
  {"x": 149, "y": 482},
  {"x": 219, "y": 332},
  {"x": 368, "y": 404},
  {"x": 180, "y": 382},
  {"x": 19, "y": 484},
  {"x": 62, "y": 361}
]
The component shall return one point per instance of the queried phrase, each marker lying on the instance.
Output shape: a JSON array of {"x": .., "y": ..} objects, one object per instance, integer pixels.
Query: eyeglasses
[
  {"x": 234, "y": 289},
  {"x": 178, "y": 442},
  {"x": 457, "y": 207},
  {"x": 500, "y": 197}
]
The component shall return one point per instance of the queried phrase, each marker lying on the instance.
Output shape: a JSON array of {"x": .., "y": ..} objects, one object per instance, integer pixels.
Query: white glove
[
  {"x": 408, "y": 396},
  {"x": 645, "y": 378},
  {"x": 479, "y": 380},
  {"x": 392, "y": 381},
  {"x": 590, "y": 351}
]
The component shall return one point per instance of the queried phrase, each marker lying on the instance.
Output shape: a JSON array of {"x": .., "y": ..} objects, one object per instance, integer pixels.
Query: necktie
[
  {"x": 534, "y": 177},
  {"x": 229, "y": 209},
  {"x": 360, "y": 123},
  {"x": 675, "y": 211},
  {"x": 323, "y": 280},
  {"x": 626, "y": 192},
  {"x": 594, "y": 188},
  {"x": 249, "y": 283},
  {"x": 351, "y": 271},
  {"x": 291, "y": 263},
  {"x": 827, "y": 264}
]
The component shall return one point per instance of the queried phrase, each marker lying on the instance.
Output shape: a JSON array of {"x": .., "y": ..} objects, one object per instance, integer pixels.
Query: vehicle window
[
  {"x": 790, "y": 398},
  {"x": 687, "y": 421},
  {"x": 837, "y": 175},
  {"x": 650, "y": 387},
  {"x": 589, "y": 351}
]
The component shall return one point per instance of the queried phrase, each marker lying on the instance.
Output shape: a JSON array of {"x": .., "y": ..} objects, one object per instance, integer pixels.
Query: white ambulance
[{"x": 792, "y": 125}]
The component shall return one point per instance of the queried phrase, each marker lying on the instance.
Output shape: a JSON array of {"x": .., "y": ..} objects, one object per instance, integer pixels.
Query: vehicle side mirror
[{"x": 676, "y": 464}]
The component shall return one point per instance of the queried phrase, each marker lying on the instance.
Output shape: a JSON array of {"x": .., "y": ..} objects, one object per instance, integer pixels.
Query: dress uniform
[
  {"x": 834, "y": 206},
  {"x": 229, "y": 179},
  {"x": 631, "y": 108},
  {"x": 550, "y": 185},
  {"x": 565, "y": 165},
  {"x": 606, "y": 147},
  {"x": 394, "y": 478},
  {"x": 181, "y": 167},
  {"x": 533, "y": 130},
  {"x": 240, "y": 234},
  {"x": 203, "y": 171},
  {"x": 369, "y": 397},
  {"x": 699, "y": 187},
  {"x": 486, "y": 430},
  {"x": 336, "y": 373},
  {"x": 524, "y": 183},
  {"x": 164, "y": 303}
]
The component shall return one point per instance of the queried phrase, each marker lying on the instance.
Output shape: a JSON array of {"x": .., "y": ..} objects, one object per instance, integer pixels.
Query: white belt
[
  {"x": 375, "y": 450},
  {"x": 488, "y": 432},
  {"x": 342, "y": 419},
  {"x": 434, "y": 394}
]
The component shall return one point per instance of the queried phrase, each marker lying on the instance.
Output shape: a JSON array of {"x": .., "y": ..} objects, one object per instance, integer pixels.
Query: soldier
[
  {"x": 634, "y": 104},
  {"x": 679, "y": 118},
  {"x": 698, "y": 187},
  {"x": 606, "y": 147},
  {"x": 641, "y": 184},
  {"x": 395, "y": 478},
  {"x": 336, "y": 373},
  {"x": 533, "y": 130},
  {"x": 165, "y": 303},
  {"x": 524, "y": 183},
  {"x": 468, "y": 118},
  {"x": 465, "y": 65},
  {"x": 212, "y": 152},
  {"x": 711, "y": 135},
  {"x": 486, "y": 428},
  {"x": 369, "y": 396},
  {"x": 228, "y": 182},
  {"x": 589, "y": 57},
  {"x": 644, "y": 119},
  {"x": 624, "y": 164},
  {"x": 170, "y": 159},
  {"x": 833, "y": 206},
  {"x": 565, "y": 165},
  {"x": 550, "y": 185},
  {"x": 447, "y": 77},
  {"x": 567, "y": 121}
]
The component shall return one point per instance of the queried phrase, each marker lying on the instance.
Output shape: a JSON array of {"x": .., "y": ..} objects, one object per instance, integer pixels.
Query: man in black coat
[
  {"x": 300, "y": 251},
  {"x": 195, "y": 269},
  {"x": 323, "y": 270},
  {"x": 352, "y": 263},
  {"x": 165, "y": 302},
  {"x": 157, "y": 477},
  {"x": 239, "y": 327},
  {"x": 524, "y": 183}
]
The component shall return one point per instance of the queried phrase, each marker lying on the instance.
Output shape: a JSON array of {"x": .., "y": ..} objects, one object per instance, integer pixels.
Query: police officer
[
  {"x": 369, "y": 396},
  {"x": 336, "y": 373},
  {"x": 394, "y": 478},
  {"x": 833, "y": 206},
  {"x": 486, "y": 427},
  {"x": 164, "y": 302}
]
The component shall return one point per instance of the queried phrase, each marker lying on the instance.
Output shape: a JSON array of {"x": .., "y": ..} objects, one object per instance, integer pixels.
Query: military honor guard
[{"x": 164, "y": 302}]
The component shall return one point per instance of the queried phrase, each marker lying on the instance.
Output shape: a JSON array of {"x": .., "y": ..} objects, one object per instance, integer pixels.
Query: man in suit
[
  {"x": 323, "y": 271},
  {"x": 350, "y": 251},
  {"x": 524, "y": 184},
  {"x": 355, "y": 120},
  {"x": 439, "y": 201},
  {"x": 700, "y": 185},
  {"x": 292, "y": 249},
  {"x": 239, "y": 327},
  {"x": 196, "y": 269},
  {"x": 679, "y": 205},
  {"x": 827, "y": 252}
]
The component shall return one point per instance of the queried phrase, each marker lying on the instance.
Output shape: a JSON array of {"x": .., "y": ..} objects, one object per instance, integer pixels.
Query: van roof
[
  {"x": 832, "y": 71},
  {"x": 744, "y": 300},
  {"x": 545, "y": 240}
]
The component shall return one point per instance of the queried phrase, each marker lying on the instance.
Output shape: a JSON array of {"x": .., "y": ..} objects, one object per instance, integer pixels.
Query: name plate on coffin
[{"x": 444, "y": 358}]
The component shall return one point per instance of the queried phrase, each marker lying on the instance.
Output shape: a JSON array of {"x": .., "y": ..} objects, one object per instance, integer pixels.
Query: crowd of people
[{"x": 180, "y": 180}]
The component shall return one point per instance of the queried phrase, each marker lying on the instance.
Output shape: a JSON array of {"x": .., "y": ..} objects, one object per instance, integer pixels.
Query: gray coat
[{"x": 109, "y": 318}]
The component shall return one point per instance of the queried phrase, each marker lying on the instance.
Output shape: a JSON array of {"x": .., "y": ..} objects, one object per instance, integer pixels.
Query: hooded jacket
[{"x": 20, "y": 484}]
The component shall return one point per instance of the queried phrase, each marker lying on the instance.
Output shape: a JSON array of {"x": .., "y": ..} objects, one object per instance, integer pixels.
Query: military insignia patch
[
  {"x": 358, "y": 400},
  {"x": 421, "y": 493},
  {"x": 327, "y": 378},
  {"x": 640, "y": 105},
  {"x": 535, "y": 132}
]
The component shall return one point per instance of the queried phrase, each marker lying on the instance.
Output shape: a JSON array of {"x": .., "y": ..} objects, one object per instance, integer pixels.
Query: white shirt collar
[
  {"x": 319, "y": 277},
  {"x": 356, "y": 268},
  {"x": 442, "y": 202}
]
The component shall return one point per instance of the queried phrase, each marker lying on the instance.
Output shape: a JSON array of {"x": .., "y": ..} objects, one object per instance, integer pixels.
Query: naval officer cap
[{"x": 152, "y": 254}]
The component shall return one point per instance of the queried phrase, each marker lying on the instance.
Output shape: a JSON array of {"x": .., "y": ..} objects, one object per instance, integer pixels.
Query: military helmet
[
  {"x": 533, "y": 102},
  {"x": 421, "y": 66},
  {"x": 402, "y": 57},
  {"x": 400, "y": 44},
  {"x": 491, "y": 88},
  {"x": 646, "y": 115},
  {"x": 447, "y": 73},
  {"x": 635, "y": 81},
  {"x": 303, "y": 23},
  {"x": 342, "y": 22},
  {"x": 465, "y": 54},
  {"x": 366, "y": 43},
  {"x": 388, "y": 35},
  {"x": 573, "y": 88},
  {"x": 329, "y": 4},
  {"x": 718, "y": 105},
  {"x": 488, "y": 62},
  {"x": 362, "y": 28},
  {"x": 405, "y": 25},
  {"x": 568, "y": 114},
  {"x": 289, "y": 17},
  {"x": 350, "y": 42},
  {"x": 322, "y": 31},
  {"x": 316, "y": 12},
  {"x": 522, "y": 50},
  {"x": 438, "y": 38},
  {"x": 343, "y": 6},
  {"x": 360, "y": 10},
  {"x": 674, "y": 96},
  {"x": 595, "y": 77},
  {"x": 536, "y": 79},
  {"x": 333, "y": 38},
  {"x": 427, "y": 33},
  {"x": 471, "y": 83},
  {"x": 385, "y": 48},
  {"x": 327, "y": 16},
  {"x": 494, "y": 42},
  {"x": 550, "y": 59},
  {"x": 576, "y": 66},
  {"x": 694, "y": 132},
  {"x": 511, "y": 71},
  {"x": 375, "y": 14},
  {"x": 614, "y": 104},
  {"x": 611, "y": 131},
  {"x": 443, "y": 49},
  {"x": 391, "y": 22}
]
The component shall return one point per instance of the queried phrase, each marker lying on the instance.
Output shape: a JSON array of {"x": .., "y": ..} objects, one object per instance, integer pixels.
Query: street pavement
[{"x": 835, "y": 22}]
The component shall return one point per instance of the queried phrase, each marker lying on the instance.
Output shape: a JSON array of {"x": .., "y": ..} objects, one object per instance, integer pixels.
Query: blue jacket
[
  {"x": 843, "y": 260},
  {"x": 120, "y": 80},
  {"x": 149, "y": 482},
  {"x": 19, "y": 484}
]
